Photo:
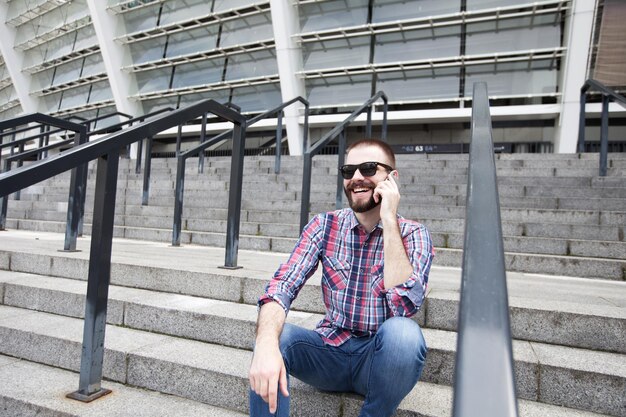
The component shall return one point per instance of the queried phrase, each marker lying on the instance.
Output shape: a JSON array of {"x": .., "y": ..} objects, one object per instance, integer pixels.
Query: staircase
[{"x": 179, "y": 325}]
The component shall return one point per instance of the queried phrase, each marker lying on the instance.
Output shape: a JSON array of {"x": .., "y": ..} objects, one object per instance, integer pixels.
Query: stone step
[
  {"x": 435, "y": 225},
  {"x": 578, "y": 266},
  {"x": 597, "y": 325},
  {"x": 543, "y": 308},
  {"x": 37, "y": 389},
  {"x": 148, "y": 360}
]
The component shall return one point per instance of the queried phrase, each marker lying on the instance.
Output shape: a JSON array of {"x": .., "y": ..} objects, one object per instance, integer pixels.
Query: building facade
[{"x": 90, "y": 57}]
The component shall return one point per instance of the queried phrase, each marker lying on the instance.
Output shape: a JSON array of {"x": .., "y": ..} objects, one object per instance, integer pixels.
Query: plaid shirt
[{"x": 356, "y": 300}]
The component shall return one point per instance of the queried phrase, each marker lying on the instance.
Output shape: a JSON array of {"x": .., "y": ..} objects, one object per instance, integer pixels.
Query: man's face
[{"x": 360, "y": 189}]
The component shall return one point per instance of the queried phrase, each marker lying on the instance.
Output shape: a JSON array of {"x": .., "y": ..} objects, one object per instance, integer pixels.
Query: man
[{"x": 375, "y": 271}]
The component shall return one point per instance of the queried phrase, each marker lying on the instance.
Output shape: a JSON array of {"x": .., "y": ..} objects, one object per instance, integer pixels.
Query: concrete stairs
[
  {"x": 558, "y": 216},
  {"x": 182, "y": 326},
  {"x": 181, "y": 329}
]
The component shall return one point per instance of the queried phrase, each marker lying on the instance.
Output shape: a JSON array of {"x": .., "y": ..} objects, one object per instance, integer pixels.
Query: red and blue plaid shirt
[{"x": 355, "y": 297}]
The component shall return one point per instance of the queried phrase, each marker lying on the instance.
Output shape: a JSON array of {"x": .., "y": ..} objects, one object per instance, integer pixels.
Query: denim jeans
[{"x": 383, "y": 368}]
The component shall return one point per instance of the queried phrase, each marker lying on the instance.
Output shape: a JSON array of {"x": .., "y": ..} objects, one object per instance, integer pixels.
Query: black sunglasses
[{"x": 367, "y": 169}]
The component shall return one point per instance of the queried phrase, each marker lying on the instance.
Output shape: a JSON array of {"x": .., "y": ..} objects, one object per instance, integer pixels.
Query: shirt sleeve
[
  {"x": 302, "y": 263},
  {"x": 407, "y": 298}
]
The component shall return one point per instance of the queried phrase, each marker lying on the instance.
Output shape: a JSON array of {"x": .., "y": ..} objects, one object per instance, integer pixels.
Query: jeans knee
[{"x": 403, "y": 337}]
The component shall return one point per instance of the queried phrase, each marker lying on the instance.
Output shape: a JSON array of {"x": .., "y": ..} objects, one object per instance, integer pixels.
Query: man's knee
[{"x": 402, "y": 337}]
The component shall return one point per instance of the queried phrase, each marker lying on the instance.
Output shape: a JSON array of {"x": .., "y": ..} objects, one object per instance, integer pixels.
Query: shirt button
[
  {"x": 365, "y": 244},
  {"x": 358, "y": 298},
  {"x": 361, "y": 270}
]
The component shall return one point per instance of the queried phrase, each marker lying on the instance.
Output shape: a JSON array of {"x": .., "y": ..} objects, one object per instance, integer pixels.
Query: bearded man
[{"x": 375, "y": 272}]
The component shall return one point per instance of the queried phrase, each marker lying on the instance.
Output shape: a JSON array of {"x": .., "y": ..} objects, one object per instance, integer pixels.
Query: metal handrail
[
  {"x": 198, "y": 149},
  {"x": 107, "y": 151},
  {"x": 607, "y": 96},
  {"x": 317, "y": 147},
  {"x": 78, "y": 182},
  {"x": 484, "y": 377}
]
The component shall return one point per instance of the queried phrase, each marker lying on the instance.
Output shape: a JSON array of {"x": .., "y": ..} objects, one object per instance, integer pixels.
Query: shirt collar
[{"x": 353, "y": 222}]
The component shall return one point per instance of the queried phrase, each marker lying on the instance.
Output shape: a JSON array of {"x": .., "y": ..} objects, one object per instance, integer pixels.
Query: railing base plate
[
  {"x": 77, "y": 395},
  {"x": 69, "y": 250},
  {"x": 229, "y": 267}
]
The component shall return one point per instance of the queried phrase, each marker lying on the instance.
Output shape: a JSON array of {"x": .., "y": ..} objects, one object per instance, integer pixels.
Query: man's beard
[{"x": 360, "y": 206}]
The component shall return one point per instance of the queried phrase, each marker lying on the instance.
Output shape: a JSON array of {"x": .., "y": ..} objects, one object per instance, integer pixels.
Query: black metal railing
[
  {"x": 106, "y": 151},
  {"x": 484, "y": 380},
  {"x": 235, "y": 187},
  {"x": 338, "y": 130},
  {"x": 608, "y": 95},
  {"x": 78, "y": 182}
]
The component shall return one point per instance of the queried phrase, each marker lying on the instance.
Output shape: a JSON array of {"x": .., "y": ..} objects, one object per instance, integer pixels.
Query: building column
[
  {"x": 286, "y": 23},
  {"x": 14, "y": 61},
  {"x": 578, "y": 32},
  {"x": 115, "y": 57}
]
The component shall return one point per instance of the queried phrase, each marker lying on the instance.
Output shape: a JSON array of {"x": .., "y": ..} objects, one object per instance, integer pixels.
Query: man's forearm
[
  {"x": 270, "y": 323},
  {"x": 398, "y": 268}
]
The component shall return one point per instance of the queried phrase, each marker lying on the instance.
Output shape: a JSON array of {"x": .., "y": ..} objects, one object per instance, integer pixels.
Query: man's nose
[{"x": 358, "y": 175}]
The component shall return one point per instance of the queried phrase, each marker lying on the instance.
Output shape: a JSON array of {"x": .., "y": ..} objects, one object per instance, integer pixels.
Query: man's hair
[{"x": 383, "y": 146}]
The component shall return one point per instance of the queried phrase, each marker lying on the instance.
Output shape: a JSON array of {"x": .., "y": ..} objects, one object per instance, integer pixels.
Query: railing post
[
  {"x": 202, "y": 140},
  {"x": 279, "y": 141},
  {"x": 4, "y": 205},
  {"x": 179, "y": 138},
  {"x": 581, "y": 121},
  {"x": 604, "y": 135},
  {"x": 341, "y": 157},
  {"x": 178, "y": 200},
  {"x": 146, "y": 173},
  {"x": 306, "y": 190},
  {"x": 98, "y": 282},
  {"x": 368, "y": 129},
  {"x": 383, "y": 133},
  {"x": 76, "y": 199},
  {"x": 139, "y": 152},
  {"x": 234, "y": 196}
]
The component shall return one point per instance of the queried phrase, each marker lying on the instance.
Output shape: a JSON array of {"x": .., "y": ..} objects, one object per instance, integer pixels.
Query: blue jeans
[{"x": 383, "y": 368}]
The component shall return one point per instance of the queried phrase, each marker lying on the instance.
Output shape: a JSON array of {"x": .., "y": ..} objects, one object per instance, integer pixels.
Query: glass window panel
[
  {"x": 11, "y": 113},
  {"x": 335, "y": 91},
  {"x": 514, "y": 78},
  {"x": 86, "y": 37},
  {"x": 390, "y": 10},
  {"x": 420, "y": 84},
  {"x": 141, "y": 19},
  {"x": 257, "y": 98},
  {"x": 68, "y": 72},
  {"x": 58, "y": 47},
  {"x": 153, "y": 105},
  {"x": 197, "y": 40},
  {"x": 513, "y": 35},
  {"x": 221, "y": 5},
  {"x": 491, "y": 4},
  {"x": 146, "y": 51},
  {"x": 221, "y": 96},
  {"x": 74, "y": 97},
  {"x": 336, "y": 53},
  {"x": 154, "y": 80},
  {"x": 51, "y": 102},
  {"x": 179, "y": 10},
  {"x": 93, "y": 65},
  {"x": 246, "y": 30},
  {"x": 100, "y": 91},
  {"x": 251, "y": 65},
  {"x": 418, "y": 45},
  {"x": 43, "y": 79},
  {"x": 332, "y": 14},
  {"x": 198, "y": 73}
]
